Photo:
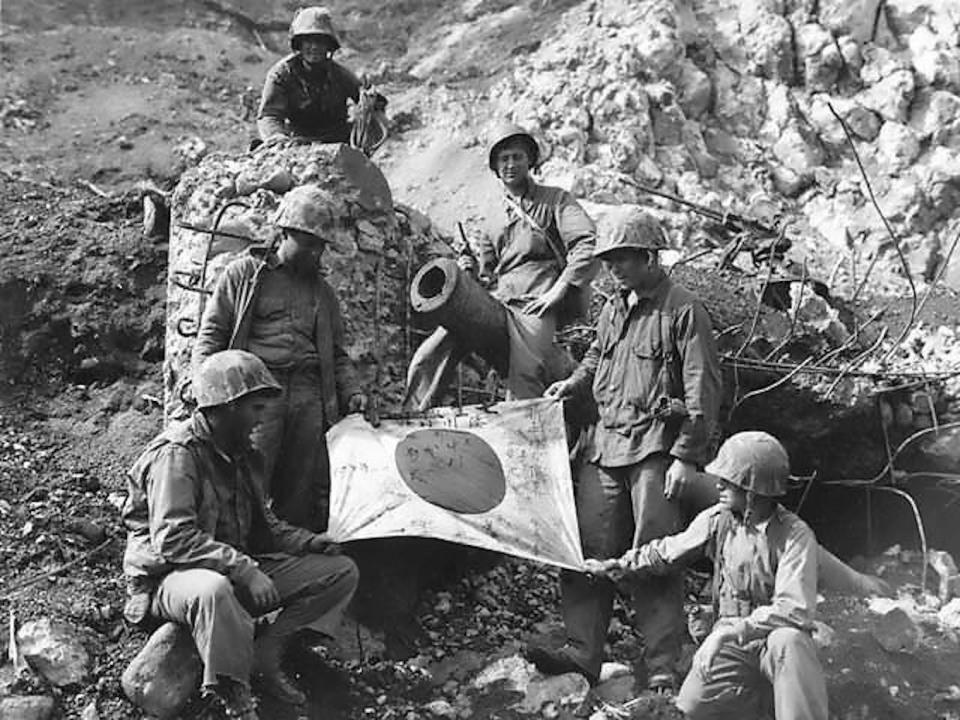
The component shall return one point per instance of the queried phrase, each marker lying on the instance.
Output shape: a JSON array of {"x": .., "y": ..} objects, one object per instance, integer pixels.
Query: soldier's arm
[
  {"x": 700, "y": 369},
  {"x": 175, "y": 533},
  {"x": 579, "y": 235},
  {"x": 344, "y": 371},
  {"x": 661, "y": 555},
  {"x": 273, "y": 112},
  {"x": 219, "y": 318}
]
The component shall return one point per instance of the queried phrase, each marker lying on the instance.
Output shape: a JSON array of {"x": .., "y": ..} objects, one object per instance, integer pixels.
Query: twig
[
  {"x": 940, "y": 272},
  {"x": 859, "y": 359},
  {"x": 18, "y": 586},
  {"x": 919, "y": 520},
  {"x": 771, "y": 386},
  {"x": 94, "y": 189},
  {"x": 757, "y": 310},
  {"x": 889, "y": 228}
]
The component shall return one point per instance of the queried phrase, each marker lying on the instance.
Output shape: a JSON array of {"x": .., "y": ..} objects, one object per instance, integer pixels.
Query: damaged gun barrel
[{"x": 445, "y": 295}]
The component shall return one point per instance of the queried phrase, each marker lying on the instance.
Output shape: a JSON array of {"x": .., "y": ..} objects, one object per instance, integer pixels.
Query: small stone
[
  {"x": 891, "y": 96},
  {"x": 824, "y": 636},
  {"x": 897, "y": 632},
  {"x": 26, "y": 707},
  {"x": 441, "y": 708},
  {"x": 90, "y": 711},
  {"x": 898, "y": 145},
  {"x": 618, "y": 689},
  {"x": 798, "y": 149},
  {"x": 54, "y": 650},
  {"x": 949, "y": 615},
  {"x": 850, "y": 17},
  {"x": 567, "y": 690},
  {"x": 165, "y": 673}
]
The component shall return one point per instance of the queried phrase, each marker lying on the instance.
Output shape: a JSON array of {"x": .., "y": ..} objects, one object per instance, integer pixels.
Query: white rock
[
  {"x": 896, "y": 631},
  {"x": 949, "y": 615},
  {"x": 850, "y": 17},
  {"x": 906, "y": 16},
  {"x": 441, "y": 708},
  {"x": 798, "y": 150},
  {"x": 26, "y": 707},
  {"x": 768, "y": 41},
  {"x": 935, "y": 61},
  {"x": 696, "y": 91},
  {"x": 514, "y": 670},
  {"x": 610, "y": 670},
  {"x": 891, "y": 96},
  {"x": 898, "y": 145},
  {"x": 824, "y": 636},
  {"x": 165, "y": 673},
  {"x": 820, "y": 56},
  {"x": 936, "y": 115},
  {"x": 567, "y": 690},
  {"x": 90, "y": 711},
  {"x": 54, "y": 650}
]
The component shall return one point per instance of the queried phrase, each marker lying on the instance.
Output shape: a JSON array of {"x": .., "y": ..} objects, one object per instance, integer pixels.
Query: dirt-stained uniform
[
  {"x": 307, "y": 104},
  {"x": 198, "y": 527},
  {"x": 292, "y": 322},
  {"x": 649, "y": 346},
  {"x": 765, "y": 588},
  {"x": 546, "y": 237}
]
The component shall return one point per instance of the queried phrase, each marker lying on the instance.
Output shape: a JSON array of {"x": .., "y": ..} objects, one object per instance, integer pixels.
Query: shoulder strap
[{"x": 559, "y": 253}]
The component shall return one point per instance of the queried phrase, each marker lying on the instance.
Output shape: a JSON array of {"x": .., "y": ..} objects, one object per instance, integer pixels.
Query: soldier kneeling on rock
[
  {"x": 764, "y": 591},
  {"x": 202, "y": 537}
]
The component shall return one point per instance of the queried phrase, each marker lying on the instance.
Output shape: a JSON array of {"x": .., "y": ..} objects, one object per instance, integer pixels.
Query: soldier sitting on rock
[
  {"x": 305, "y": 94},
  {"x": 764, "y": 591},
  {"x": 201, "y": 535}
]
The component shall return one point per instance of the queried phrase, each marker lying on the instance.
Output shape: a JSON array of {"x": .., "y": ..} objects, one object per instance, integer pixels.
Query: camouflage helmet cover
[
  {"x": 307, "y": 208},
  {"x": 230, "y": 375},
  {"x": 754, "y": 461},
  {"x": 312, "y": 21},
  {"x": 636, "y": 229},
  {"x": 506, "y": 131}
]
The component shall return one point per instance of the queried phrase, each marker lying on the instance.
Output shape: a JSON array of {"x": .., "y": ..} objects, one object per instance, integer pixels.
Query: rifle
[{"x": 775, "y": 243}]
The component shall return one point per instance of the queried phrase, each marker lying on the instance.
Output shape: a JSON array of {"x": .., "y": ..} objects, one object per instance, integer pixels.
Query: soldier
[
  {"x": 210, "y": 551},
  {"x": 654, "y": 373},
  {"x": 542, "y": 264},
  {"x": 277, "y": 306},
  {"x": 306, "y": 93},
  {"x": 764, "y": 591}
]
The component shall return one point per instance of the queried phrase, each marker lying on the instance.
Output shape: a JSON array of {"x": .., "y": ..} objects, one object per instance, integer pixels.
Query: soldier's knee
[
  {"x": 214, "y": 589},
  {"x": 786, "y": 642}
]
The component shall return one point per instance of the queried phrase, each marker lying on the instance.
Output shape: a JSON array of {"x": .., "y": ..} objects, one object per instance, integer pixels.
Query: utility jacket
[
  {"x": 296, "y": 102},
  {"x": 288, "y": 323},
  {"x": 765, "y": 574},
  {"x": 655, "y": 347},
  {"x": 552, "y": 238},
  {"x": 192, "y": 505}
]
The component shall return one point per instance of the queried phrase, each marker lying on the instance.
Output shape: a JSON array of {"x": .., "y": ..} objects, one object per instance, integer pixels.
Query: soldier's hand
[
  {"x": 321, "y": 543},
  {"x": 356, "y": 403},
  {"x": 263, "y": 592},
  {"x": 680, "y": 474},
  {"x": 468, "y": 264},
  {"x": 559, "y": 390},
  {"x": 703, "y": 660},
  {"x": 549, "y": 300},
  {"x": 611, "y": 568}
]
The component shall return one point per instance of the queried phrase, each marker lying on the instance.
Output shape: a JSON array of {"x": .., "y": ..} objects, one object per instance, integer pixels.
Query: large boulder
[
  {"x": 370, "y": 255},
  {"x": 54, "y": 649},
  {"x": 165, "y": 673}
]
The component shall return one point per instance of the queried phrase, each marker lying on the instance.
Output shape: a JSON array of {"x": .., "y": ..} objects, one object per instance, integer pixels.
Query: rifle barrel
[{"x": 211, "y": 231}]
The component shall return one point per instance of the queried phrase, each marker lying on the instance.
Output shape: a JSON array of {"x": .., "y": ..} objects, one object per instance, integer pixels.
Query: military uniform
[
  {"x": 309, "y": 105},
  {"x": 198, "y": 528},
  {"x": 649, "y": 347},
  {"x": 765, "y": 587}
]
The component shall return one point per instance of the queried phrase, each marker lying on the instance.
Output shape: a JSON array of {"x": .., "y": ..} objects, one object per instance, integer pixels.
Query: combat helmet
[
  {"x": 314, "y": 20},
  {"x": 230, "y": 375},
  {"x": 754, "y": 461},
  {"x": 307, "y": 208},
  {"x": 637, "y": 229},
  {"x": 508, "y": 131}
]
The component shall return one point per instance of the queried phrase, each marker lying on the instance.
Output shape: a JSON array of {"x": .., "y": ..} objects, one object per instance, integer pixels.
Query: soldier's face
[
  {"x": 513, "y": 164},
  {"x": 732, "y": 496},
  {"x": 633, "y": 269},
  {"x": 301, "y": 249},
  {"x": 315, "y": 49},
  {"x": 246, "y": 416}
]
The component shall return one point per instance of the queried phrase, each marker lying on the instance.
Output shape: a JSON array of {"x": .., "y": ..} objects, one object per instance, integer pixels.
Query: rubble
[
  {"x": 54, "y": 650},
  {"x": 26, "y": 707}
]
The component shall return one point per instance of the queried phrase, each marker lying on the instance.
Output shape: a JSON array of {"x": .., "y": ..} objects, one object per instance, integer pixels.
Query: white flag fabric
[{"x": 495, "y": 478}]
